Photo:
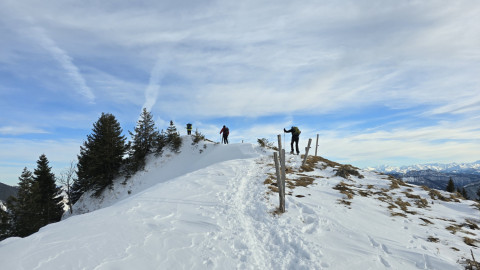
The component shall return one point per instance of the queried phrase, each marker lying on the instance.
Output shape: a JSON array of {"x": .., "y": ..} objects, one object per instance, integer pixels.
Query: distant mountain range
[
  {"x": 468, "y": 168},
  {"x": 7, "y": 191},
  {"x": 436, "y": 175}
]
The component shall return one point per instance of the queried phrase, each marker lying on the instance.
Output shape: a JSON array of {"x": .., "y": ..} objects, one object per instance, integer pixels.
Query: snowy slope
[
  {"x": 215, "y": 210},
  {"x": 171, "y": 165}
]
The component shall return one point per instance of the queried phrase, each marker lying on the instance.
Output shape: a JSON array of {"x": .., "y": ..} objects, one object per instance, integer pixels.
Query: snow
[{"x": 208, "y": 207}]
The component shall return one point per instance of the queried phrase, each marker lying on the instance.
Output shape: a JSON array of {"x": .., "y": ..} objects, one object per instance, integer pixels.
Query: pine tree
[
  {"x": 100, "y": 158},
  {"x": 173, "y": 138},
  {"x": 197, "y": 137},
  {"x": 84, "y": 181},
  {"x": 5, "y": 229},
  {"x": 160, "y": 143},
  {"x": 450, "y": 186},
  {"x": 46, "y": 195},
  {"x": 464, "y": 193},
  {"x": 23, "y": 212},
  {"x": 144, "y": 141}
]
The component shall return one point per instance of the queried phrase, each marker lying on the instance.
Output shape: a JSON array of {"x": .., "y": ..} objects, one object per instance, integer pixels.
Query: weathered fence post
[
  {"x": 280, "y": 170},
  {"x": 281, "y": 190},
  {"x": 316, "y": 146},
  {"x": 306, "y": 152},
  {"x": 282, "y": 182},
  {"x": 279, "y": 143}
]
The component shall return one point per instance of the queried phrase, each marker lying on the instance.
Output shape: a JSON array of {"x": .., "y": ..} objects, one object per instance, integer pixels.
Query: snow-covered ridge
[
  {"x": 214, "y": 207},
  {"x": 473, "y": 167},
  {"x": 159, "y": 170}
]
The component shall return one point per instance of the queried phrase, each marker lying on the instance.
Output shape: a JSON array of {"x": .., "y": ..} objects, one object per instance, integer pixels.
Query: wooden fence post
[
  {"x": 281, "y": 189},
  {"x": 279, "y": 143},
  {"x": 316, "y": 146},
  {"x": 306, "y": 152},
  {"x": 282, "y": 182}
]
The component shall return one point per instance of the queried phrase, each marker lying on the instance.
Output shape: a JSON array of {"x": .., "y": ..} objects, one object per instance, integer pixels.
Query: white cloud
[
  {"x": 19, "y": 130},
  {"x": 257, "y": 58},
  {"x": 326, "y": 53},
  {"x": 444, "y": 142}
]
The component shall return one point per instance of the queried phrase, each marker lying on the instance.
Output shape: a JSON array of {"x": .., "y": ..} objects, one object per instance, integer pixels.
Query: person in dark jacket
[
  {"x": 295, "y": 138},
  {"x": 225, "y": 132},
  {"x": 189, "y": 129}
]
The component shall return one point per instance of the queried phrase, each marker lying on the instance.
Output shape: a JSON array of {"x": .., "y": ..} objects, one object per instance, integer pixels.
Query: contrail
[
  {"x": 66, "y": 62},
  {"x": 39, "y": 34},
  {"x": 153, "y": 88}
]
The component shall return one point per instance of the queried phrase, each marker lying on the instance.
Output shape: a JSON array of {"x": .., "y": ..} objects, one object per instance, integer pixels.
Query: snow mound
[{"x": 190, "y": 158}]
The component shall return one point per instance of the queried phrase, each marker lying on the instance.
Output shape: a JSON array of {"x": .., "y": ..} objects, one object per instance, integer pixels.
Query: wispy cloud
[
  {"x": 19, "y": 130},
  {"x": 397, "y": 54}
]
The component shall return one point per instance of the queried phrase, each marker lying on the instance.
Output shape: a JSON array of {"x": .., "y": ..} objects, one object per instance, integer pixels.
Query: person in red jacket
[{"x": 225, "y": 132}]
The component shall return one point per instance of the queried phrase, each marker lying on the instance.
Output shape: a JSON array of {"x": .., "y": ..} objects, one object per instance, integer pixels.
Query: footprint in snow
[
  {"x": 385, "y": 248},
  {"x": 384, "y": 262},
  {"x": 373, "y": 242}
]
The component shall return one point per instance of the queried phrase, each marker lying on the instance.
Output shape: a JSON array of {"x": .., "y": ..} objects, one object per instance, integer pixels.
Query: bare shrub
[
  {"x": 346, "y": 170},
  {"x": 433, "y": 239},
  {"x": 469, "y": 241},
  {"x": 435, "y": 194},
  {"x": 266, "y": 144}
]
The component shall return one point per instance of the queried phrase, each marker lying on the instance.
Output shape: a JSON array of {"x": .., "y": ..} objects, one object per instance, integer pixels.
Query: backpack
[
  {"x": 189, "y": 126},
  {"x": 226, "y": 131},
  {"x": 296, "y": 131}
]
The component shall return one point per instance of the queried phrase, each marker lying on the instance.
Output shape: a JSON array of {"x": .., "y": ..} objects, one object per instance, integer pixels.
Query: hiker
[
  {"x": 225, "y": 132},
  {"x": 189, "y": 129},
  {"x": 295, "y": 137}
]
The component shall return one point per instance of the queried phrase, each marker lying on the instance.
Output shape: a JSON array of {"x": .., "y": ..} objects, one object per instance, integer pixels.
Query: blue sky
[{"x": 381, "y": 82}]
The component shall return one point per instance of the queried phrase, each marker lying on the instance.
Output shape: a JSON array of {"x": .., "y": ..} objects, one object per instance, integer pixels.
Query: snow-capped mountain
[
  {"x": 470, "y": 168},
  {"x": 215, "y": 206},
  {"x": 436, "y": 175}
]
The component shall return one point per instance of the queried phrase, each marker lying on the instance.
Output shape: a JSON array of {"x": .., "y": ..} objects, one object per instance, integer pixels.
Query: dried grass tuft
[{"x": 345, "y": 189}]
